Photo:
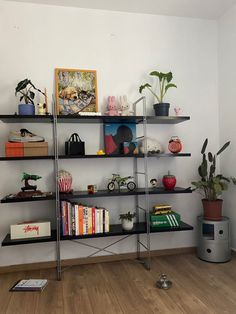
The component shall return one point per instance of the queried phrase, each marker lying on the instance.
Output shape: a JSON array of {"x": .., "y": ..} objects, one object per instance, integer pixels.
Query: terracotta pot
[{"x": 212, "y": 210}]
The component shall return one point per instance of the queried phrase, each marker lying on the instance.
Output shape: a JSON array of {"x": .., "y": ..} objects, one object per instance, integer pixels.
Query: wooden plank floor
[{"x": 126, "y": 287}]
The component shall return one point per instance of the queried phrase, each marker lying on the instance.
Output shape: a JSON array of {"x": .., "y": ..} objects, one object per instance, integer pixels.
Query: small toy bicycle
[{"x": 121, "y": 181}]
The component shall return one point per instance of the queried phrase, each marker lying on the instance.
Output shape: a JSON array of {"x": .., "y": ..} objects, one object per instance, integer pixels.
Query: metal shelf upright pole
[
  {"x": 57, "y": 203},
  {"x": 146, "y": 207}
]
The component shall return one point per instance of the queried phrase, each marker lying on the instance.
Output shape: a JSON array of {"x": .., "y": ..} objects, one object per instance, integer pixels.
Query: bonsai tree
[
  {"x": 24, "y": 87},
  {"x": 128, "y": 216},
  {"x": 211, "y": 184},
  {"x": 164, "y": 80}
]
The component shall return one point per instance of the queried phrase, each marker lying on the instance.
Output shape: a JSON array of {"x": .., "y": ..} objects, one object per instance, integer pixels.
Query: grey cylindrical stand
[{"x": 214, "y": 240}]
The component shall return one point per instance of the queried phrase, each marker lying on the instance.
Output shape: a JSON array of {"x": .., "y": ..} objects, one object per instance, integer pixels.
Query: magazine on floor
[{"x": 29, "y": 285}]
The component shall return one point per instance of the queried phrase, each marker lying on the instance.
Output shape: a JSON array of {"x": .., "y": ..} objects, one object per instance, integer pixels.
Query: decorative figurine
[
  {"x": 112, "y": 107},
  {"x": 163, "y": 283},
  {"x": 153, "y": 183},
  {"x": 175, "y": 145},
  {"x": 64, "y": 181},
  {"x": 125, "y": 107},
  {"x": 42, "y": 110},
  {"x": 153, "y": 146},
  {"x": 177, "y": 111},
  {"x": 121, "y": 182},
  {"x": 169, "y": 181},
  {"x": 101, "y": 152},
  {"x": 92, "y": 188},
  {"x": 29, "y": 190}
]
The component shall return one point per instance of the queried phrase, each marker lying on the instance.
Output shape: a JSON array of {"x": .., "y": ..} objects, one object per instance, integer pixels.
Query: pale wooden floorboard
[{"x": 126, "y": 287}]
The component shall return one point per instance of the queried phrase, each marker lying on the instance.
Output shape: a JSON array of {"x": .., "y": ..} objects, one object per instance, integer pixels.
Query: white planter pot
[{"x": 127, "y": 224}]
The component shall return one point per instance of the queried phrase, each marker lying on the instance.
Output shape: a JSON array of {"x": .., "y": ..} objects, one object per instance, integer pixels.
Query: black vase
[{"x": 161, "y": 109}]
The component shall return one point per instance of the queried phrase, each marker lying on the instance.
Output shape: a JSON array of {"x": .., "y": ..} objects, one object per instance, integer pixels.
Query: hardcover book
[{"x": 166, "y": 220}]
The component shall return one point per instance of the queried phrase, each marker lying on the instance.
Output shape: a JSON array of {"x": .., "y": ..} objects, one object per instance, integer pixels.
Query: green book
[{"x": 166, "y": 220}]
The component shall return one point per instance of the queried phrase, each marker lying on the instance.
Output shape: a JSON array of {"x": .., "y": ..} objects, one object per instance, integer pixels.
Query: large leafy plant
[
  {"x": 164, "y": 80},
  {"x": 211, "y": 184},
  {"x": 24, "y": 87}
]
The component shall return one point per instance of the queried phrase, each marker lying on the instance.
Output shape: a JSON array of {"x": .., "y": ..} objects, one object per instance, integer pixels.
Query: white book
[
  {"x": 107, "y": 221},
  {"x": 97, "y": 230},
  {"x": 76, "y": 219}
]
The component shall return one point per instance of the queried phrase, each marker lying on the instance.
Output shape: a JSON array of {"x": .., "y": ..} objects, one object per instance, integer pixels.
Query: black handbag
[{"x": 74, "y": 146}]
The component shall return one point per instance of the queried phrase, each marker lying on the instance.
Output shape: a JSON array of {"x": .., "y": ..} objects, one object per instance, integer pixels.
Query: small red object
[
  {"x": 175, "y": 145},
  {"x": 169, "y": 181}
]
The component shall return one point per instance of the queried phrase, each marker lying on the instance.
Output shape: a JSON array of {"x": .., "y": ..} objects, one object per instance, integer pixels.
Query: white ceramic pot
[{"x": 127, "y": 224}]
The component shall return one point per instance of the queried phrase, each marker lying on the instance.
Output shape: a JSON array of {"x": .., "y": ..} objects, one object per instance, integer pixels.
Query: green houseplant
[
  {"x": 211, "y": 185},
  {"x": 164, "y": 82},
  {"x": 24, "y": 88},
  {"x": 127, "y": 220}
]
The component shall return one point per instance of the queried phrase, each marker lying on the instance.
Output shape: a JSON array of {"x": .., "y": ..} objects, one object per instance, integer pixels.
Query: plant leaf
[
  {"x": 142, "y": 87},
  {"x": 203, "y": 167},
  {"x": 169, "y": 86},
  {"x": 169, "y": 76},
  {"x": 210, "y": 157},
  {"x": 21, "y": 97},
  {"x": 223, "y": 148},
  {"x": 32, "y": 94},
  {"x": 233, "y": 180},
  {"x": 204, "y": 146},
  {"x": 212, "y": 171},
  {"x": 160, "y": 75},
  {"x": 21, "y": 85}
]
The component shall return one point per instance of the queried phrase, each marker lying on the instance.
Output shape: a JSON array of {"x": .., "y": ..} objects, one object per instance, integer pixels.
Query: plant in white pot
[
  {"x": 211, "y": 185},
  {"x": 164, "y": 80},
  {"x": 127, "y": 220}
]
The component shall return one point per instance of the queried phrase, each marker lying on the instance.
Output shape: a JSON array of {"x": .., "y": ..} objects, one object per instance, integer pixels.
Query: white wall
[
  {"x": 123, "y": 48},
  {"x": 227, "y": 111}
]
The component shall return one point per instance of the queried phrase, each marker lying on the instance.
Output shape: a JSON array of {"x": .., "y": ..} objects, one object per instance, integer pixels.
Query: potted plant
[
  {"x": 164, "y": 79},
  {"x": 127, "y": 220},
  {"x": 24, "y": 88},
  {"x": 211, "y": 185}
]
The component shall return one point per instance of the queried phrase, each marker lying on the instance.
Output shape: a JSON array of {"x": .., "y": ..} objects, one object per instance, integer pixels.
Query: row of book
[{"x": 78, "y": 219}]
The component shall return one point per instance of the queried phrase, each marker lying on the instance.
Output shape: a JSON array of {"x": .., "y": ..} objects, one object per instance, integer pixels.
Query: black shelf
[
  {"x": 106, "y": 193},
  {"x": 121, "y": 119},
  {"x": 7, "y": 240},
  {"x": 26, "y": 158},
  {"x": 27, "y": 199},
  {"x": 125, "y": 156},
  {"x": 92, "y": 119},
  {"x": 100, "y": 193},
  {"x": 51, "y": 157},
  {"x": 14, "y": 118},
  {"x": 115, "y": 230}
]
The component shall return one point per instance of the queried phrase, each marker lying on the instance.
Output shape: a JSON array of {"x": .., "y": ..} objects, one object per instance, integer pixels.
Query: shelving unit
[{"x": 116, "y": 229}]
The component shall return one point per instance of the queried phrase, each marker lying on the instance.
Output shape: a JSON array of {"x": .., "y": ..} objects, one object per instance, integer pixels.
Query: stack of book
[
  {"x": 163, "y": 217},
  {"x": 77, "y": 219}
]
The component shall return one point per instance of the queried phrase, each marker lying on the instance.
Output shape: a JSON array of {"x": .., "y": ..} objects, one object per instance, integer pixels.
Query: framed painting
[
  {"x": 120, "y": 138},
  {"x": 76, "y": 90}
]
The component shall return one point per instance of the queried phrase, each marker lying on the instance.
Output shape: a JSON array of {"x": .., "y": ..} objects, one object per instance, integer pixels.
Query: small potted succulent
[
  {"x": 164, "y": 79},
  {"x": 127, "y": 220},
  {"x": 24, "y": 88},
  {"x": 211, "y": 185}
]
